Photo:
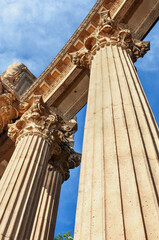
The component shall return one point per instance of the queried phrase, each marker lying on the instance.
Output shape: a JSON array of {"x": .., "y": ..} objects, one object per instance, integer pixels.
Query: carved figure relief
[
  {"x": 10, "y": 105},
  {"x": 13, "y": 72},
  {"x": 7, "y": 110}
]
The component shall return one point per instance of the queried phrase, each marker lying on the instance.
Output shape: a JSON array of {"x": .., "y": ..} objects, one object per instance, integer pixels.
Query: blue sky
[{"x": 33, "y": 32}]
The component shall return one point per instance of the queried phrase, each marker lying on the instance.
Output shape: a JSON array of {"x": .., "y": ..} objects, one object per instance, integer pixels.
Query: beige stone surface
[
  {"x": 38, "y": 133},
  {"x": 118, "y": 189},
  {"x": 20, "y": 186},
  {"x": 45, "y": 218},
  {"x": 57, "y": 172}
]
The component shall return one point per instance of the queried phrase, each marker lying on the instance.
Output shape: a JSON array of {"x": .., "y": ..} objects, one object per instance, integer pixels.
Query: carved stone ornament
[
  {"x": 68, "y": 159},
  {"x": 37, "y": 120},
  {"x": 12, "y": 72},
  {"x": 17, "y": 78},
  {"x": 7, "y": 110},
  {"x": 108, "y": 33},
  {"x": 10, "y": 105}
]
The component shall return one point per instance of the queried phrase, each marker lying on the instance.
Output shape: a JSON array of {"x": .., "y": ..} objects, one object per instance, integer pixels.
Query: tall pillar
[
  {"x": 37, "y": 134},
  {"x": 57, "y": 172},
  {"x": 119, "y": 181}
]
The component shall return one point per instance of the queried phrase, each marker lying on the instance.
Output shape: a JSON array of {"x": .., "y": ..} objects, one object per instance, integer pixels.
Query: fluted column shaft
[
  {"x": 38, "y": 135},
  {"x": 57, "y": 172},
  {"x": 21, "y": 185},
  {"x": 45, "y": 219},
  {"x": 119, "y": 181}
]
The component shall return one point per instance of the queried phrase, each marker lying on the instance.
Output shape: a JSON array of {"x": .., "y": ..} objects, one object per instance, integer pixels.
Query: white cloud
[{"x": 33, "y": 32}]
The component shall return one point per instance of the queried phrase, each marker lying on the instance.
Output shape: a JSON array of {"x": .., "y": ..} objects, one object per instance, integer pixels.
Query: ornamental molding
[
  {"x": 37, "y": 120},
  {"x": 65, "y": 49},
  {"x": 107, "y": 33}
]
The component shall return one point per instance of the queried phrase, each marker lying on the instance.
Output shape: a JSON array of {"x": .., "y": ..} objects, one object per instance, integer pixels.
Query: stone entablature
[{"x": 122, "y": 12}]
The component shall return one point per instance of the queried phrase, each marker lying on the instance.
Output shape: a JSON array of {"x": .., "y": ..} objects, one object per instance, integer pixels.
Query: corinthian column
[
  {"x": 37, "y": 134},
  {"x": 119, "y": 182},
  {"x": 57, "y": 172}
]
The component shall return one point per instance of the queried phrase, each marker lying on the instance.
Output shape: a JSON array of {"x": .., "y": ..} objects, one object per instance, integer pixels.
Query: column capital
[
  {"x": 108, "y": 32},
  {"x": 68, "y": 159},
  {"x": 38, "y": 120}
]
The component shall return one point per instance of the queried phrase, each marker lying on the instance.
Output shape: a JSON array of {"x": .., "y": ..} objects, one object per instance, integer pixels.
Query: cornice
[{"x": 65, "y": 49}]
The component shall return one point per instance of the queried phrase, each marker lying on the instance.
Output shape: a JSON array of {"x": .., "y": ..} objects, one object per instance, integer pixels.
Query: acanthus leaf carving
[
  {"x": 108, "y": 33},
  {"x": 68, "y": 159},
  {"x": 37, "y": 120}
]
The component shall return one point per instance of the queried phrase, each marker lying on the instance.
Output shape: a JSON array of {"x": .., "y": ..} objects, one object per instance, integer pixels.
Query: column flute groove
[
  {"x": 127, "y": 129},
  {"x": 155, "y": 182},
  {"x": 104, "y": 168},
  {"x": 30, "y": 209},
  {"x": 7, "y": 176},
  {"x": 114, "y": 133},
  {"x": 144, "y": 111},
  {"x": 116, "y": 179},
  {"x": 146, "y": 100},
  {"x": 132, "y": 136},
  {"x": 85, "y": 177},
  {"x": 113, "y": 115},
  {"x": 43, "y": 219},
  {"x": 129, "y": 196},
  {"x": 14, "y": 177},
  {"x": 93, "y": 147}
]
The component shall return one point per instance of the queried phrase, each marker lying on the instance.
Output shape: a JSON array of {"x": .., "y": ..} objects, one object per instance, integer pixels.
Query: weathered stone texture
[{"x": 118, "y": 189}]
